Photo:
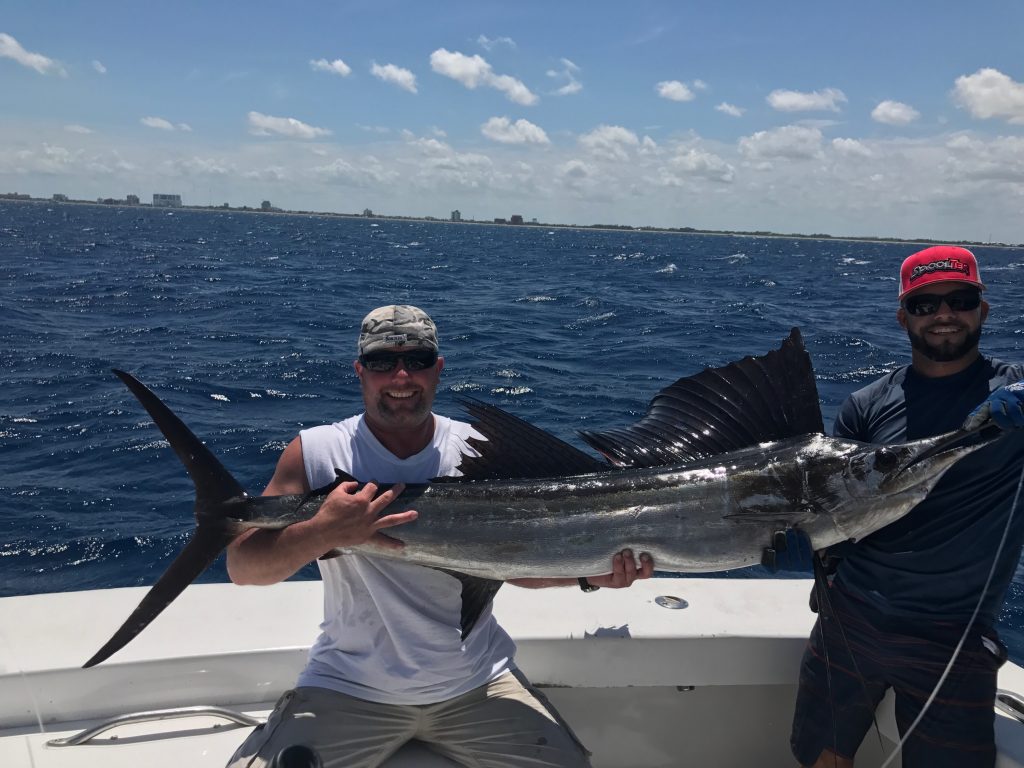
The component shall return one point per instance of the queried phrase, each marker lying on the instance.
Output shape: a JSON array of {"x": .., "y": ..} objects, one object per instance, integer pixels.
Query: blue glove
[{"x": 1005, "y": 407}]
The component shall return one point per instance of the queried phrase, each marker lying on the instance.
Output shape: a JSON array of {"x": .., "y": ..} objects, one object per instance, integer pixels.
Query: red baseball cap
[{"x": 939, "y": 264}]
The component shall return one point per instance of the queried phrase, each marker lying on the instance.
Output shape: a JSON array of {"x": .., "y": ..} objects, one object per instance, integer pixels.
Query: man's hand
[
  {"x": 1005, "y": 407},
  {"x": 625, "y": 570},
  {"x": 349, "y": 517}
]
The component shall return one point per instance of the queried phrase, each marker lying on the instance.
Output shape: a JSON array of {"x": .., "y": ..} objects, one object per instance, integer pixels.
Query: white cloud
[
  {"x": 994, "y": 160},
  {"x": 575, "y": 169},
  {"x": 265, "y": 125},
  {"x": 77, "y": 129},
  {"x": 197, "y": 167},
  {"x": 98, "y": 66},
  {"x": 851, "y": 148},
  {"x": 793, "y": 142},
  {"x": 431, "y": 147},
  {"x": 673, "y": 90},
  {"x": 696, "y": 163},
  {"x": 700, "y": 85},
  {"x": 474, "y": 71},
  {"x": 336, "y": 67},
  {"x": 894, "y": 113},
  {"x": 610, "y": 142},
  {"x": 730, "y": 109},
  {"x": 471, "y": 71},
  {"x": 165, "y": 125},
  {"x": 797, "y": 101},
  {"x": 367, "y": 174},
  {"x": 488, "y": 43},
  {"x": 157, "y": 122},
  {"x": 567, "y": 74},
  {"x": 504, "y": 131},
  {"x": 389, "y": 73},
  {"x": 44, "y": 65},
  {"x": 578, "y": 177},
  {"x": 989, "y": 93},
  {"x": 51, "y": 160},
  {"x": 272, "y": 174}
]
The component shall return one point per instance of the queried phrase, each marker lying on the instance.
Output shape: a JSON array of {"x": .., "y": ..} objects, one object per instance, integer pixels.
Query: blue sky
[{"x": 875, "y": 118}]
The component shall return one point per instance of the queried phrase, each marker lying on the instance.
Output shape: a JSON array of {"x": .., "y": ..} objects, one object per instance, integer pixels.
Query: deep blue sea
[{"x": 245, "y": 324}]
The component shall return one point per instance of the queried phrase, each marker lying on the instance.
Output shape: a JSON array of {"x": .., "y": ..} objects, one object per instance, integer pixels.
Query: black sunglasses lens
[
  {"x": 418, "y": 361},
  {"x": 963, "y": 301},
  {"x": 928, "y": 303},
  {"x": 379, "y": 364},
  {"x": 386, "y": 361},
  {"x": 922, "y": 305}
]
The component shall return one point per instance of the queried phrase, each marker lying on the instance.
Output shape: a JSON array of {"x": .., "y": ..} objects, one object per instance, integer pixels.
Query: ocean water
[{"x": 245, "y": 325}]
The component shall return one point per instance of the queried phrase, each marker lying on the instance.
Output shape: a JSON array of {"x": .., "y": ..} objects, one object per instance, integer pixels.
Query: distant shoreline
[{"x": 530, "y": 224}]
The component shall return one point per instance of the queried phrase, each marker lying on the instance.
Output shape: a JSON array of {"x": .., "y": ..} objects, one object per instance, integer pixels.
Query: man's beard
[
  {"x": 401, "y": 416},
  {"x": 946, "y": 351}
]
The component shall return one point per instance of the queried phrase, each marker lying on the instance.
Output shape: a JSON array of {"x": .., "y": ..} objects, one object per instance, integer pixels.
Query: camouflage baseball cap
[{"x": 397, "y": 325}]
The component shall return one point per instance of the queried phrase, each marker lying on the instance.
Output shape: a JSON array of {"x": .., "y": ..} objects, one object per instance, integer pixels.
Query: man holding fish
[
  {"x": 396, "y": 658},
  {"x": 904, "y": 598}
]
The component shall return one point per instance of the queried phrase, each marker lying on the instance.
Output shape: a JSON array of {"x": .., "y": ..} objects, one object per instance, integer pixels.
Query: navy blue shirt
[{"x": 933, "y": 563}]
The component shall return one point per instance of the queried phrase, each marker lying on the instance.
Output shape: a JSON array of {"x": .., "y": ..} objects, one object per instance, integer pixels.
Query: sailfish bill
[{"x": 722, "y": 462}]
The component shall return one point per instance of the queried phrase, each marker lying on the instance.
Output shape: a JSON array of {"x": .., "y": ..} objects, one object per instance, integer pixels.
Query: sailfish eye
[{"x": 885, "y": 460}]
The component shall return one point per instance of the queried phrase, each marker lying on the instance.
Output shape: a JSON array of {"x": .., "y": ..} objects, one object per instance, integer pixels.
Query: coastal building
[
  {"x": 59, "y": 198},
  {"x": 367, "y": 213},
  {"x": 516, "y": 219},
  {"x": 456, "y": 215},
  {"x": 166, "y": 201},
  {"x": 132, "y": 200}
]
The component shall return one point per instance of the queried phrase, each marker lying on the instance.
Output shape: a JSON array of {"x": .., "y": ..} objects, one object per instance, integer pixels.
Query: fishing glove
[{"x": 1005, "y": 407}]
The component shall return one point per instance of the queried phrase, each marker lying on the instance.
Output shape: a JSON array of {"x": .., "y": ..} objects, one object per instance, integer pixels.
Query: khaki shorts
[{"x": 507, "y": 722}]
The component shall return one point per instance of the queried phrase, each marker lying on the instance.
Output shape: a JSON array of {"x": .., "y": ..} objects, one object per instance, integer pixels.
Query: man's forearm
[
  {"x": 267, "y": 557},
  {"x": 542, "y": 583}
]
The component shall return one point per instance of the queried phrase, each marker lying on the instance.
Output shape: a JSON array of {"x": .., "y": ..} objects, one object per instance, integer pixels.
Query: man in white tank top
[{"x": 390, "y": 664}]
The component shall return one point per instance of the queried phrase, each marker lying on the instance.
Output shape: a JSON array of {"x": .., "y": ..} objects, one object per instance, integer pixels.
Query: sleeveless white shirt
[{"x": 392, "y": 630}]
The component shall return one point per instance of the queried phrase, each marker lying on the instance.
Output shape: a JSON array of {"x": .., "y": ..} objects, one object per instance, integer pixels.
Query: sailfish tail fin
[
  {"x": 204, "y": 547},
  {"x": 214, "y": 486},
  {"x": 213, "y": 482}
]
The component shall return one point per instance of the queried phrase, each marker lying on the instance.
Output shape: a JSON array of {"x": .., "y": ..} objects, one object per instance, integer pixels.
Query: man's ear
[{"x": 901, "y": 317}]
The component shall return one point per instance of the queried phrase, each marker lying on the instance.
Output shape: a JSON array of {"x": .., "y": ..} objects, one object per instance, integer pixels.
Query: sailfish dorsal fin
[{"x": 754, "y": 400}]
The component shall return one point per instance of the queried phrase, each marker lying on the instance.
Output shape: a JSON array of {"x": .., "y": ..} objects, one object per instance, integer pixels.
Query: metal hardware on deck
[
  {"x": 1010, "y": 703},
  {"x": 671, "y": 601},
  {"x": 159, "y": 714}
]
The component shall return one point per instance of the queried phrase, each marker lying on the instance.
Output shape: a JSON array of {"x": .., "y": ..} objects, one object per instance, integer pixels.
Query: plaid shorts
[{"x": 842, "y": 680}]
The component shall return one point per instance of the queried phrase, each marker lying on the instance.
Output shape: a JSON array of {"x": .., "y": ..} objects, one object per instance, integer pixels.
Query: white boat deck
[{"x": 709, "y": 684}]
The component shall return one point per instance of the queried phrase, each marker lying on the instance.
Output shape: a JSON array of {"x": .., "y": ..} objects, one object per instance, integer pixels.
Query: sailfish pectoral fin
[
  {"x": 477, "y": 594},
  {"x": 203, "y": 548}
]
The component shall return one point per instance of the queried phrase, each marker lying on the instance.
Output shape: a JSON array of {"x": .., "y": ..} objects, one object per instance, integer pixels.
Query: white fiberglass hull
[{"x": 712, "y": 683}]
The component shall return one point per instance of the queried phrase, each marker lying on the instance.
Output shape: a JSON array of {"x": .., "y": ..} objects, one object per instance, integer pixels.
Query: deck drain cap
[{"x": 671, "y": 601}]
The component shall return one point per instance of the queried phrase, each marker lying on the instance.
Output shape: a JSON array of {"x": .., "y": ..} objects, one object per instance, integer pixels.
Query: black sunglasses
[
  {"x": 383, "y": 362},
  {"x": 923, "y": 304}
]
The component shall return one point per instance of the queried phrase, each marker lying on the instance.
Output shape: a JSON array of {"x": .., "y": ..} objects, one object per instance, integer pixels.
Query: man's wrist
[{"x": 586, "y": 586}]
